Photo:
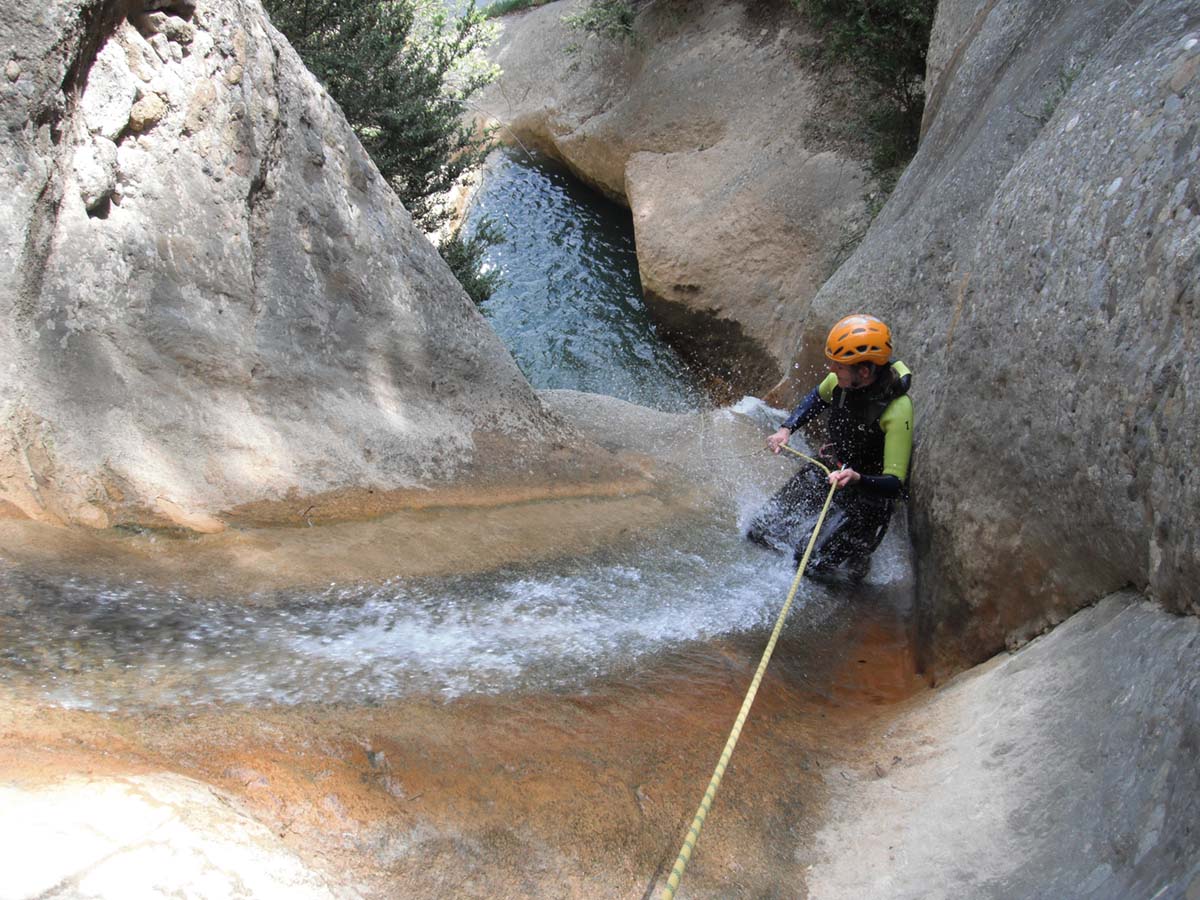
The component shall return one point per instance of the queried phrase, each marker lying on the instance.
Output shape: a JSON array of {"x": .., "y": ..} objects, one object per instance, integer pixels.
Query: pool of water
[{"x": 570, "y": 306}]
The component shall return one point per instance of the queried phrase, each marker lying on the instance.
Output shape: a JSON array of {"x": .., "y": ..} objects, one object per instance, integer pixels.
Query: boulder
[
  {"x": 1038, "y": 263},
  {"x": 211, "y": 299},
  {"x": 711, "y": 124}
]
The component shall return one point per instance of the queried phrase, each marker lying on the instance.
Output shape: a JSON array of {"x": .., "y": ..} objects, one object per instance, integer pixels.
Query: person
[{"x": 869, "y": 447}]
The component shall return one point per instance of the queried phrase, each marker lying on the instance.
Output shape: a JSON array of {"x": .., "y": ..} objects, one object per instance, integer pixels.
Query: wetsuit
[{"x": 870, "y": 431}]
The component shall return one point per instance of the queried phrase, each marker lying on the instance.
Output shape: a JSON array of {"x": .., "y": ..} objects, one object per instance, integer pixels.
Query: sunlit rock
[
  {"x": 210, "y": 299},
  {"x": 144, "y": 836}
]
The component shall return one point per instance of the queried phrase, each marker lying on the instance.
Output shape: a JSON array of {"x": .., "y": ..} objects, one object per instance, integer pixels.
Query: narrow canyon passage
[{"x": 512, "y": 731}]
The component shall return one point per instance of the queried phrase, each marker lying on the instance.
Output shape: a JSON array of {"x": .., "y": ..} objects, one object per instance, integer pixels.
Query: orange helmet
[{"x": 859, "y": 339}]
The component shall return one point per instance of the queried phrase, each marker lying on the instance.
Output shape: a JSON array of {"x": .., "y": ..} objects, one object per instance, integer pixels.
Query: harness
[{"x": 853, "y": 426}]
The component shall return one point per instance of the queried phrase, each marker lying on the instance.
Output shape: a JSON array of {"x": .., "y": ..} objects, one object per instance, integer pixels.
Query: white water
[
  {"x": 554, "y": 626},
  {"x": 107, "y": 647}
]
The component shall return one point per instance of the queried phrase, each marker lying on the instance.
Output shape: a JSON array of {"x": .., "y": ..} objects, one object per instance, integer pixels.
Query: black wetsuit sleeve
[
  {"x": 881, "y": 485},
  {"x": 811, "y": 406}
]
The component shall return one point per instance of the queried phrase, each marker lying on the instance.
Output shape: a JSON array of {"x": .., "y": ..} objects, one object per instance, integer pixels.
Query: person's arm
[
  {"x": 814, "y": 403},
  {"x": 881, "y": 485},
  {"x": 896, "y": 423},
  {"x": 810, "y": 407}
]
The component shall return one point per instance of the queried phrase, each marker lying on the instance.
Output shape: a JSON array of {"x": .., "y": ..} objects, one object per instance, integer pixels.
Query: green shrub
[
  {"x": 884, "y": 41},
  {"x": 504, "y": 7},
  {"x": 402, "y": 71},
  {"x": 611, "y": 19},
  {"x": 464, "y": 255}
]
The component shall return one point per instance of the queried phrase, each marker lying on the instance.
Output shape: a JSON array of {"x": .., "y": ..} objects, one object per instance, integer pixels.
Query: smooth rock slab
[
  {"x": 1067, "y": 769},
  {"x": 143, "y": 836},
  {"x": 209, "y": 297}
]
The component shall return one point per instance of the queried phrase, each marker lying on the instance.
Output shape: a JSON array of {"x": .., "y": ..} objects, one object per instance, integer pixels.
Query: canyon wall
[
  {"x": 1038, "y": 263},
  {"x": 728, "y": 145},
  {"x": 208, "y": 295}
]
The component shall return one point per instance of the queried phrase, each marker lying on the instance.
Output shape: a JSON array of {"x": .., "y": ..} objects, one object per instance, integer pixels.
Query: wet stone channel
[{"x": 541, "y": 729}]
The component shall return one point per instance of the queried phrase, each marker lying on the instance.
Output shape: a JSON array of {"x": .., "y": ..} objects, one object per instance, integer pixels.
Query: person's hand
[
  {"x": 843, "y": 476},
  {"x": 776, "y": 441}
]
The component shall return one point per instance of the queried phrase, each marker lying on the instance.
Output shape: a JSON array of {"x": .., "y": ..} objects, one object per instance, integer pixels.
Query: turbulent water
[
  {"x": 571, "y": 311},
  {"x": 538, "y": 628},
  {"x": 569, "y": 305}
]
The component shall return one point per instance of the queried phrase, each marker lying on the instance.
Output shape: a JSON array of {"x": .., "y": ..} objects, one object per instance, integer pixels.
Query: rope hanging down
[{"x": 689, "y": 843}]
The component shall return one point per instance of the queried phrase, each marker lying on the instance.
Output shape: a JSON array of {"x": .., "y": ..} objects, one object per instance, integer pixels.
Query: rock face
[
  {"x": 148, "y": 835},
  {"x": 710, "y": 126},
  {"x": 1039, "y": 265},
  {"x": 1064, "y": 770},
  {"x": 209, "y": 295}
]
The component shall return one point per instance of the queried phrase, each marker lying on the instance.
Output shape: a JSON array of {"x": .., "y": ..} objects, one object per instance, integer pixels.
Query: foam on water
[{"x": 533, "y": 629}]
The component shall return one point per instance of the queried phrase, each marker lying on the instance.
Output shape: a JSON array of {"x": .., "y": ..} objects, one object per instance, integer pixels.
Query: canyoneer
[{"x": 869, "y": 446}]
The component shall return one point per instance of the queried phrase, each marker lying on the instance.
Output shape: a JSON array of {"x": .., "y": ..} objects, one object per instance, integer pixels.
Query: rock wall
[
  {"x": 1038, "y": 262},
  {"x": 1064, "y": 770},
  {"x": 208, "y": 295},
  {"x": 711, "y": 126}
]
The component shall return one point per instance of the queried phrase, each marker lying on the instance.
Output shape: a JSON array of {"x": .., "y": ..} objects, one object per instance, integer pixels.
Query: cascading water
[
  {"x": 570, "y": 308},
  {"x": 539, "y": 628}
]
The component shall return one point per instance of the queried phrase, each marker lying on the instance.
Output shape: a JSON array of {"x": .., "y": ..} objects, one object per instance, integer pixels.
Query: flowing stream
[{"x": 571, "y": 311}]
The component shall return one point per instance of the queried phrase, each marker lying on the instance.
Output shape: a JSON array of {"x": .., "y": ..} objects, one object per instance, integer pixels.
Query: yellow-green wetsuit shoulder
[{"x": 897, "y": 426}]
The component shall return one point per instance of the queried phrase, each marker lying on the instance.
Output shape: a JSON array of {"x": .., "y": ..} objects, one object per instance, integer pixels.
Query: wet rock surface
[
  {"x": 645, "y": 472},
  {"x": 709, "y": 125},
  {"x": 1067, "y": 769},
  {"x": 575, "y": 793}
]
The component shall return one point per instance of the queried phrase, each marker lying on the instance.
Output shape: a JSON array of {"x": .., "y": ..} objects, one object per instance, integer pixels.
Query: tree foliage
[
  {"x": 464, "y": 254},
  {"x": 402, "y": 71},
  {"x": 885, "y": 41},
  {"x": 612, "y": 19}
]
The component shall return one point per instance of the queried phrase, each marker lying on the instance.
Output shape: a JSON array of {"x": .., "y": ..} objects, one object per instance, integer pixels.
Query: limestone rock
[
  {"x": 1039, "y": 264},
  {"x": 707, "y": 126},
  {"x": 95, "y": 166},
  {"x": 1064, "y": 770},
  {"x": 111, "y": 91},
  {"x": 149, "y": 835},
  {"x": 146, "y": 112},
  {"x": 957, "y": 23},
  {"x": 252, "y": 315}
]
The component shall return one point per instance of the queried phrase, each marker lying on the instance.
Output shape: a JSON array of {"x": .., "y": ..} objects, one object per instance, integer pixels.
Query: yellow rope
[{"x": 689, "y": 843}]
